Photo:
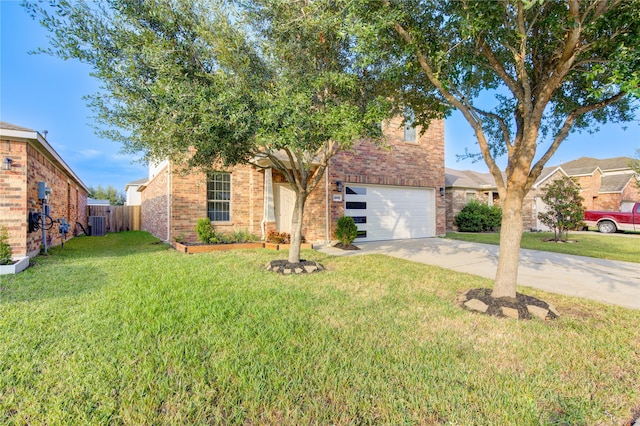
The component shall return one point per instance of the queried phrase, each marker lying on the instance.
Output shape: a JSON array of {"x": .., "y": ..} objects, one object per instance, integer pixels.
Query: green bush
[
  {"x": 347, "y": 231},
  {"x": 5, "y": 248},
  {"x": 205, "y": 231},
  {"x": 478, "y": 217},
  {"x": 243, "y": 236},
  {"x": 208, "y": 235}
]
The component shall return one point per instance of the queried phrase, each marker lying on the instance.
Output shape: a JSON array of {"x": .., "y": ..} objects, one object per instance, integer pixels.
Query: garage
[{"x": 391, "y": 212}]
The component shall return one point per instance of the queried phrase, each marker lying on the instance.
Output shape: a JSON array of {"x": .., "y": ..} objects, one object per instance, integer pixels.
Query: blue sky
[{"x": 46, "y": 93}]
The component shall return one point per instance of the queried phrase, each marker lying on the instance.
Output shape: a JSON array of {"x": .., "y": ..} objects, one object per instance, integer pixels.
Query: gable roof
[
  {"x": 588, "y": 165},
  {"x": 137, "y": 182},
  {"x": 615, "y": 183},
  {"x": 8, "y": 130},
  {"x": 468, "y": 179},
  {"x": 547, "y": 172}
]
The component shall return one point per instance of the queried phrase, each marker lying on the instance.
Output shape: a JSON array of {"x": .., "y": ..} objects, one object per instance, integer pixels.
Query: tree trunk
[
  {"x": 296, "y": 227},
  {"x": 510, "y": 237}
]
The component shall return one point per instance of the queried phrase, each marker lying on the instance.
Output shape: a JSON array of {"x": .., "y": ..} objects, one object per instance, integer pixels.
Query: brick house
[
  {"x": 392, "y": 192},
  {"x": 28, "y": 159},
  {"x": 607, "y": 184},
  {"x": 463, "y": 186}
]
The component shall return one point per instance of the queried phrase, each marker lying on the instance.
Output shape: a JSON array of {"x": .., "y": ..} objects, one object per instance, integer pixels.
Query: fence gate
[{"x": 117, "y": 218}]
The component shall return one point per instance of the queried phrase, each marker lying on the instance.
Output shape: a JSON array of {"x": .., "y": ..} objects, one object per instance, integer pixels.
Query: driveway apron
[{"x": 608, "y": 281}]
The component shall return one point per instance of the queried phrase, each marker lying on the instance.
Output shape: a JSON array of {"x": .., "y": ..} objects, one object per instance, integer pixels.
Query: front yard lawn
[
  {"x": 122, "y": 330},
  {"x": 590, "y": 244}
]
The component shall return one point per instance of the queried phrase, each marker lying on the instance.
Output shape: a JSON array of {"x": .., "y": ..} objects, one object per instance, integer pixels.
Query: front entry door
[{"x": 284, "y": 202}]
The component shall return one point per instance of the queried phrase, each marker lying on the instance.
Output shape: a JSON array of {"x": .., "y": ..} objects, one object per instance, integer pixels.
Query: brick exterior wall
[
  {"x": 13, "y": 190},
  {"x": 153, "y": 213},
  {"x": 418, "y": 164},
  {"x": 631, "y": 192},
  {"x": 19, "y": 196},
  {"x": 589, "y": 187}
]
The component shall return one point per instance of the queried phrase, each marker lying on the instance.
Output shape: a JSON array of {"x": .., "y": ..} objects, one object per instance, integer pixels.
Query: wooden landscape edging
[{"x": 206, "y": 248}]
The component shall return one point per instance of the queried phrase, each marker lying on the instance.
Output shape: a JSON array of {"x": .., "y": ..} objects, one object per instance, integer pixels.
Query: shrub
[
  {"x": 5, "y": 248},
  {"x": 243, "y": 236},
  {"x": 276, "y": 237},
  {"x": 564, "y": 207},
  {"x": 346, "y": 231},
  {"x": 478, "y": 217},
  {"x": 205, "y": 231}
]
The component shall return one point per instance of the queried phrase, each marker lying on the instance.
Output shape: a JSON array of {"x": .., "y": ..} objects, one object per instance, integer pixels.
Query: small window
[
  {"x": 409, "y": 126},
  {"x": 409, "y": 133},
  {"x": 359, "y": 219},
  {"x": 471, "y": 196},
  {"x": 361, "y": 234},
  {"x": 353, "y": 190},
  {"x": 356, "y": 205},
  {"x": 219, "y": 197}
]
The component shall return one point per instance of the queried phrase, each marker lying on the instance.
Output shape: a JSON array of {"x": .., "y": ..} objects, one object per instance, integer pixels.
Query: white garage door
[{"x": 391, "y": 212}]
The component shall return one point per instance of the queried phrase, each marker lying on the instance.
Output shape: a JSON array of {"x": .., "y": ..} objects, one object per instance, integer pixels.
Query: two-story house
[{"x": 394, "y": 191}]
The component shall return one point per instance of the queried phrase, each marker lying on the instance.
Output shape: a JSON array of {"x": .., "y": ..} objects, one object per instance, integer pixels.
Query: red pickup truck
[{"x": 614, "y": 221}]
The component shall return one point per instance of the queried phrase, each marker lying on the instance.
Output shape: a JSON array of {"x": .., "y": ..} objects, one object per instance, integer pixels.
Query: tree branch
[
  {"x": 474, "y": 122},
  {"x": 564, "y": 132}
]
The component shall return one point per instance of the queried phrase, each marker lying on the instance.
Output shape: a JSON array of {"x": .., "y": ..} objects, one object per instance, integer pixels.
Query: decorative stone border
[
  {"x": 20, "y": 265},
  {"x": 283, "y": 267},
  {"x": 522, "y": 307}
]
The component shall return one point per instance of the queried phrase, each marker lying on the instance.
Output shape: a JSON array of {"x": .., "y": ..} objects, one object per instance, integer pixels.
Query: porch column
[{"x": 269, "y": 215}]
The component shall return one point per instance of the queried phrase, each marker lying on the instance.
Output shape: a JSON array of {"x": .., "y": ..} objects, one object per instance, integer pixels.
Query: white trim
[
  {"x": 544, "y": 179},
  {"x": 35, "y": 136}
]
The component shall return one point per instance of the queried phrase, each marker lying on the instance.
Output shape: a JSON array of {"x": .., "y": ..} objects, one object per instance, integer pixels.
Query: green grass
[
  {"x": 122, "y": 330},
  {"x": 611, "y": 247}
]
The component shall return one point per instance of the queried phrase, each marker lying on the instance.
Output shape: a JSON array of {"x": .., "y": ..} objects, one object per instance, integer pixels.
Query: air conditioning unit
[{"x": 97, "y": 225}]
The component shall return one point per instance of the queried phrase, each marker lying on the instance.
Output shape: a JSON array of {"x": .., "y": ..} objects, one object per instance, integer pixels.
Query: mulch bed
[
  {"x": 283, "y": 266},
  {"x": 520, "y": 303},
  {"x": 346, "y": 246}
]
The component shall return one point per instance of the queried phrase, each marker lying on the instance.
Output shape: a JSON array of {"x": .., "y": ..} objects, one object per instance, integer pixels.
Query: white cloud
[{"x": 89, "y": 153}]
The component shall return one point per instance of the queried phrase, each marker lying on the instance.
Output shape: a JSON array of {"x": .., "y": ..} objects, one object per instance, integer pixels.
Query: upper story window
[
  {"x": 409, "y": 133},
  {"x": 409, "y": 127},
  {"x": 219, "y": 197}
]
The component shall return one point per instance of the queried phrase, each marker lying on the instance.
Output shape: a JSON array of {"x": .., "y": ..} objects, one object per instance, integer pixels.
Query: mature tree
[
  {"x": 524, "y": 74},
  {"x": 564, "y": 207},
  {"x": 115, "y": 197},
  {"x": 214, "y": 83}
]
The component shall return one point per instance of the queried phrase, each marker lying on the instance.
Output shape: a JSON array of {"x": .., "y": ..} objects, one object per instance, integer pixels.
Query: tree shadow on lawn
[
  {"x": 39, "y": 282},
  {"x": 547, "y": 271}
]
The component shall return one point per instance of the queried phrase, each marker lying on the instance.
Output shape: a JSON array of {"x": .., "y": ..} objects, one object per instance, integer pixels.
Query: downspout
[
  {"x": 268, "y": 214},
  {"x": 326, "y": 191}
]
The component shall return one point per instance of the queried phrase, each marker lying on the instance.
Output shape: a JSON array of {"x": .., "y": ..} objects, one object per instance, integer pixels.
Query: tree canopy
[
  {"x": 115, "y": 197},
  {"x": 217, "y": 83},
  {"x": 523, "y": 73}
]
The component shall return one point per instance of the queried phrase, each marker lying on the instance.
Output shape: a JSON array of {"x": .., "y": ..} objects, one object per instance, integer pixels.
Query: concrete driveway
[{"x": 608, "y": 281}]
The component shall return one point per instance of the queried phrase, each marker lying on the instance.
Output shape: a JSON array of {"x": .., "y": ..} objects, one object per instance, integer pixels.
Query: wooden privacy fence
[{"x": 117, "y": 218}]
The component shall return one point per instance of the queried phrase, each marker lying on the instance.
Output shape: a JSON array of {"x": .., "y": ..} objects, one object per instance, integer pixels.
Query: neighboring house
[
  {"x": 133, "y": 195},
  {"x": 392, "y": 192},
  {"x": 607, "y": 184},
  {"x": 27, "y": 158},
  {"x": 463, "y": 186}
]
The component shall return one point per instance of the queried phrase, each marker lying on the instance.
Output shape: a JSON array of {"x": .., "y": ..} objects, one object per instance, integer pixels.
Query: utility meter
[{"x": 43, "y": 191}]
